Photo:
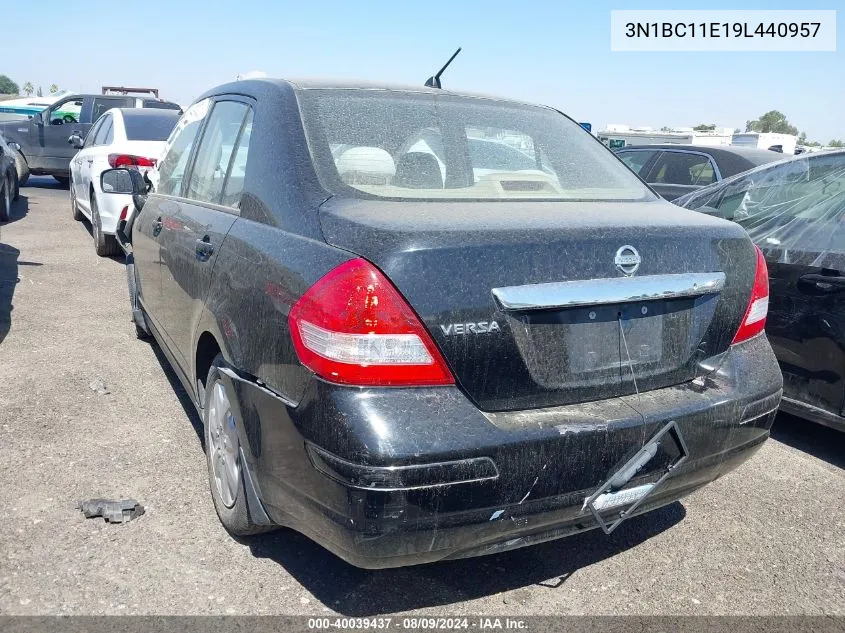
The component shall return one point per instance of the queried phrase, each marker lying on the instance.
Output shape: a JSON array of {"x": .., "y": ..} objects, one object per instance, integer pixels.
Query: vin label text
[{"x": 722, "y": 30}]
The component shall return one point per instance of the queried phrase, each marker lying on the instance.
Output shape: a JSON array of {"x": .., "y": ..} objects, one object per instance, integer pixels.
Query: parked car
[
  {"x": 794, "y": 211},
  {"x": 42, "y": 141},
  {"x": 408, "y": 370},
  {"x": 121, "y": 137},
  {"x": 8, "y": 180},
  {"x": 675, "y": 170}
]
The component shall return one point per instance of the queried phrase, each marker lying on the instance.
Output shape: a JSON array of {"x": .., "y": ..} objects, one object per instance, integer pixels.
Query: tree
[
  {"x": 836, "y": 143},
  {"x": 737, "y": 130},
  {"x": 772, "y": 121},
  {"x": 53, "y": 89},
  {"x": 705, "y": 127},
  {"x": 665, "y": 129},
  {"x": 28, "y": 89},
  {"x": 7, "y": 86}
]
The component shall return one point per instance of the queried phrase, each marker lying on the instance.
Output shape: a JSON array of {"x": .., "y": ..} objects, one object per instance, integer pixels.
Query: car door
[
  {"x": 639, "y": 160},
  {"x": 795, "y": 212},
  {"x": 147, "y": 229},
  {"x": 195, "y": 226},
  {"x": 51, "y": 132},
  {"x": 103, "y": 137},
  {"x": 675, "y": 173}
]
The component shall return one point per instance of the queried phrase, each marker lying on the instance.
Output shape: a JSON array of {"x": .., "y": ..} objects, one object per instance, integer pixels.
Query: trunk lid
[{"x": 464, "y": 267}]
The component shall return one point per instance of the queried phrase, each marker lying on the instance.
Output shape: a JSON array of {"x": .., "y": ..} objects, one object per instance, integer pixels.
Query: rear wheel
[
  {"x": 22, "y": 168},
  {"x": 17, "y": 188},
  {"x": 105, "y": 245},
  {"x": 138, "y": 317},
  {"x": 222, "y": 450}
]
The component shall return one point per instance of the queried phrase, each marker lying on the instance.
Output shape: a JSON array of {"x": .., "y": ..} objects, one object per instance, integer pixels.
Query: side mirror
[
  {"x": 76, "y": 140},
  {"x": 125, "y": 181},
  {"x": 14, "y": 146}
]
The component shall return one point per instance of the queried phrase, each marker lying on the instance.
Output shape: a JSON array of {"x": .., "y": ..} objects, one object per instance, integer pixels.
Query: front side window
[
  {"x": 175, "y": 157},
  {"x": 218, "y": 146},
  {"x": 405, "y": 145},
  {"x": 682, "y": 168},
  {"x": 66, "y": 111}
]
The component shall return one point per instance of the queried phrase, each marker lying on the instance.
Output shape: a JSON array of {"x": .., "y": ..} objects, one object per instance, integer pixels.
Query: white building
[
  {"x": 617, "y": 136},
  {"x": 766, "y": 140}
]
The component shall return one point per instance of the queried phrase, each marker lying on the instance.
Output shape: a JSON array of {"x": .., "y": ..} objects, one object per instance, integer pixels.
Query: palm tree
[
  {"x": 28, "y": 89},
  {"x": 53, "y": 89}
]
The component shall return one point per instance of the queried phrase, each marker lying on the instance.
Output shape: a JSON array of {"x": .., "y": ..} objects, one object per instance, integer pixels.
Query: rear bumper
[{"x": 391, "y": 477}]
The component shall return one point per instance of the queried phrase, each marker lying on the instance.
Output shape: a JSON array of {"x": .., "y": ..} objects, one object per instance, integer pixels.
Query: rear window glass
[
  {"x": 405, "y": 145},
  {"x": 149, "y": 127}
]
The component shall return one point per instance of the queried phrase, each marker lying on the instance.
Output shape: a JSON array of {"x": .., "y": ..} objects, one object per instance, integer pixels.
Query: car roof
[
  {"x": 731, "y": 159},
  {"x": 347, "y": 84}
]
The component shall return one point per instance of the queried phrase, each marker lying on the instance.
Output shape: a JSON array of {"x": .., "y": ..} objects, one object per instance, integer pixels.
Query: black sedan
[
  {"x": 411, "y": 354},
  {"x": 795, "y": 212},
  {"x": 676, "y": 170}
]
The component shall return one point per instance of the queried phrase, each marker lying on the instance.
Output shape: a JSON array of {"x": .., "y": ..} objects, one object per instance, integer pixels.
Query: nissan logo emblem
[{"x": 627, "y": 260}]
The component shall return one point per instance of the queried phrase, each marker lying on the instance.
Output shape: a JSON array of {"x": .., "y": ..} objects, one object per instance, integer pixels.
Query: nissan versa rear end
[{"x": 420, "y": 325}]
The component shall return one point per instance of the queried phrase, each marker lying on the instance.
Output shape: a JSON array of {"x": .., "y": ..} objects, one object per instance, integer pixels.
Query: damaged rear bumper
[{"x": 391, "y": 477}]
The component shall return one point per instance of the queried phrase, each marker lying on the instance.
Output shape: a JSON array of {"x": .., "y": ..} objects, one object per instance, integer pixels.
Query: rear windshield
[
  {"x": 149, "y": 126},
  {"x": 161, "y": 105},
  {"x": 405, "y": 145}
]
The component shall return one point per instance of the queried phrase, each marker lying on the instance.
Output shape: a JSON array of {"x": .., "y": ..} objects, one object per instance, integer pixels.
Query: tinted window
[
  {"x": 237, "y": 170},
  {"x": 103, "y": 130},
  {"x": 636, "y": 160},
  {"x": 92, "y": 133},
  {"x": 215, "y": 151},
  {"x": 149, "y": 126},
  {"x": 172, "y": 167},
  {"x": 376, "y": 143},
  {"x": 109, "y": 131},
  {"x": 681, "y": 168},
  {"x": 101, "y": 104}
]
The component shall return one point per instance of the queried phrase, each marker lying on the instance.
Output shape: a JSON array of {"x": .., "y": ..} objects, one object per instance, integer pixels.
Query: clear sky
[{"x": 547, "y": 51}]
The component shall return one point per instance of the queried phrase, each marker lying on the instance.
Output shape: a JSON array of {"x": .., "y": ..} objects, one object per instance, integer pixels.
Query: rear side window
[
  {"x": 174, "y": 162},
  {"x": 216, "y": 150},
  {"x": 237, "y": 171},
  {"x": 636, "y": 160},
  {"x": 149, "y": 127},
  {"x": 103, "y": 131},
  {"x": 681, "y": 168},
  {"x": 101, "y": 104}
]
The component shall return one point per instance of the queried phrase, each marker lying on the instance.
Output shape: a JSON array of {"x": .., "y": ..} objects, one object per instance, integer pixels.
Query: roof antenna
[{"x": 434, "y": 82}]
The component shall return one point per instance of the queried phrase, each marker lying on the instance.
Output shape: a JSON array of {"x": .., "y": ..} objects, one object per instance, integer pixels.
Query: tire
[
  {"x": 222, "y": 450},
  {"x": 77, "y": 214},
  {"x": 63, "y": 180},
  {"x": 6, "y": 199},
  {"x": 104, "y": 245},
  {"x": 22, "y": 168},
  {"x": 17, "y": 190}
]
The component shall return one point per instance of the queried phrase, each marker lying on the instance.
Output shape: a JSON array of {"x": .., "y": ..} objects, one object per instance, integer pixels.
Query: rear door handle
[
  {"x": 204, "y": 248},
  {"x": 824, "y": 283}
]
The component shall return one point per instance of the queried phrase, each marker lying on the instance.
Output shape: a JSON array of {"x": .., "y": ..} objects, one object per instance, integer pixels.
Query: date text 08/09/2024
[
  {"x": 419, "y": 623},
  {"x": 721, "y": 29}
]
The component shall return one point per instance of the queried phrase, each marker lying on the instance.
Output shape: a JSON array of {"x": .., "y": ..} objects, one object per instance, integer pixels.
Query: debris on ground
[
  {"x": 112, "y": 511},
  {"x": 99, "y": 386}
]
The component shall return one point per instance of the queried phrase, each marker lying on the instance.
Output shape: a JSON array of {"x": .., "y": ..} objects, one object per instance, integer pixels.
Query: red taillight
[
  {"x": 128, "y": 160},
  {"x": 353, "y": 327},
  {"x": 754, "y": 320},
  {"x": 124, "y": 213}
]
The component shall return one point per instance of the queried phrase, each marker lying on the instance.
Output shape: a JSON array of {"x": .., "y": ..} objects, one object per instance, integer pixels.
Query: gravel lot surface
[{"x": 86, "y": 410}]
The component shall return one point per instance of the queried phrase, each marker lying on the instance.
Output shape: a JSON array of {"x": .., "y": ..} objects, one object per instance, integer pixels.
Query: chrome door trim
[{"x": 588, "y": 292}]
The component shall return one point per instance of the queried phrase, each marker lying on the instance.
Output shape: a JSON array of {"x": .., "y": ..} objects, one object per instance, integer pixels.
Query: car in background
[
  {"x": 122, "y": 137},
  {"x": 675, "y": 170},
  {"x": 8, "y": 180},
  {"x": 794, "y": 211},
  {"x": 41, "y": 141},
  {"x": 409, "y": 368}
]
